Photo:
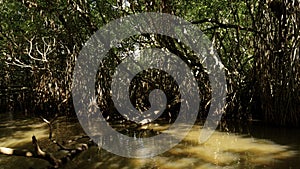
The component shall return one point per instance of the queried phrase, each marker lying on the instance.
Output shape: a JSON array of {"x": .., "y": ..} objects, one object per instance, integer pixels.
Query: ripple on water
[{"x": 221, "y": 150}]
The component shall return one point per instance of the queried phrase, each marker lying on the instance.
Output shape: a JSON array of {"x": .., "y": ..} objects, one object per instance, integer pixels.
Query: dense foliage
[{"x": 258, "y": 42}]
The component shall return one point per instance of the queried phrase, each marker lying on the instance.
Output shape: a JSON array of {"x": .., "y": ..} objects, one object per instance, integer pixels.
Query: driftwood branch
[
  {"x": 40, "y": 154},
  {"x": 10, "y": 151},
  {"x": 49, "y": 123},
  {"x": 37, "y": 153}
]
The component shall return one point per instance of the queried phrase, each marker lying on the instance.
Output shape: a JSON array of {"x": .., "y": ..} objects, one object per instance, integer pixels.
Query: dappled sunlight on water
[
  {"x": 221, "y": 150},
  {"x": 18, "y": 133}
]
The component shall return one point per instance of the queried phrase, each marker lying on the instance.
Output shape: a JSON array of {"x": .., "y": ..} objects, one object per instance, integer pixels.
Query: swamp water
[{"x": 257, "y": 146}]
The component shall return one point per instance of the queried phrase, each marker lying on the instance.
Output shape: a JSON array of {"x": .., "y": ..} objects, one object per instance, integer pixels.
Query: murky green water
[{"x": 251, "y": 146}]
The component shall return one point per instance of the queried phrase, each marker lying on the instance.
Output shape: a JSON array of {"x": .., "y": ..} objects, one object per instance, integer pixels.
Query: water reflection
[{"x": 222, "y": 150}]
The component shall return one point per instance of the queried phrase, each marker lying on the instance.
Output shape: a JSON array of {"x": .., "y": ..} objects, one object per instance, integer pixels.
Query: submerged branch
[{"x": 40, "y": 154}]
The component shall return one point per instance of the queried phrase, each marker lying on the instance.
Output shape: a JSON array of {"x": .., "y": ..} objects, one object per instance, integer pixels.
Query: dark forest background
[{"x": 258, "y": 42}]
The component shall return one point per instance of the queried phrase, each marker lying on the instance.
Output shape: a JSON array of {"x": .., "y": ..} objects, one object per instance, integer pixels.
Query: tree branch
[
  {"x": 40, "y": 154},
  {"x": 222, "y": 25}
]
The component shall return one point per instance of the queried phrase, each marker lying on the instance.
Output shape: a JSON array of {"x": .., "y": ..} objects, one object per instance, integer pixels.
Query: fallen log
[
  {"x": 10, "y": 151},
  {"x": 40, "y": 154},
  {"x": 37, "y": 153}
]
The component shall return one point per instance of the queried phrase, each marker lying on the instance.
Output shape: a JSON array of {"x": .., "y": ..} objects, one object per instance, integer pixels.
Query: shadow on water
[
  {"x": 259, "y": 147},
  {"x": 16, "y": 133}
]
